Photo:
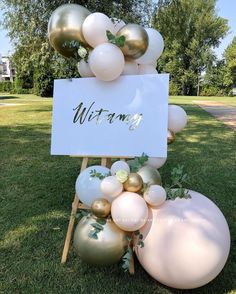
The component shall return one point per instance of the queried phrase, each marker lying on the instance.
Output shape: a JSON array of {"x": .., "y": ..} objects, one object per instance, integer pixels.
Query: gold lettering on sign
[{"x": 89, "y": 114}]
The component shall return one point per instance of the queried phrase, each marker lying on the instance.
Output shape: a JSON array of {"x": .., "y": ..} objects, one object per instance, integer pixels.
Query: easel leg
[{"x": 72, "y": 218}]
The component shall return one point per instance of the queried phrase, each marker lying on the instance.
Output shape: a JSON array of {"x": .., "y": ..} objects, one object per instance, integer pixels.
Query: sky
[{"x": 225, "y": 8}]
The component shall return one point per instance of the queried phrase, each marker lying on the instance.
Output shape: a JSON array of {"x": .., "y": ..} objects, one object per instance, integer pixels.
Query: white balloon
[
  {"x": 119, "y": 165},
  {"x": 129, "y": 211},
  {"x": 118, "y": 24},
  {"x": 155, "y": 195},
  {"x": 111, "y": 187},
  {"x": 94, "y": 28},
  {"x": 88, "y": 188},
  {"x": 186, "y": 242},
  {"x": 107, "y": 62},
  {"x": 156, "y": 162},
  {"x": 84, "y": 69},
  {"x": 131, "y": 68},
  {"x": 145, "y": 69},
  {"x": 177, "y": 118},
  {"x": 155, "y": 47}
]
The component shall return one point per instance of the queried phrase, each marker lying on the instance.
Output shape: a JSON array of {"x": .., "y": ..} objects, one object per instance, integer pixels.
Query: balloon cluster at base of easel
[
  {"x": 106, "y": 48},
  {"x": 180, "y": 237}
]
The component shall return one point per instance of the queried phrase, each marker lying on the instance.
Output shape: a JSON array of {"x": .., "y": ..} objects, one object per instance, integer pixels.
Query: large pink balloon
[
  {"x": 186, "y": 244},
  {"x": 129, "y": 211}
]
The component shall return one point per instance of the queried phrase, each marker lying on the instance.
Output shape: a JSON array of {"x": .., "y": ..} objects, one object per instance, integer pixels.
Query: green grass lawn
[{"x": 37, "y": 190}]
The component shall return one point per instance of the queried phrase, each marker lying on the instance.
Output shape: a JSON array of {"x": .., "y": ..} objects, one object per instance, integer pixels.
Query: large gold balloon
[
  {"x": 101, "y": 207},
  {"x": 107, "y": 249},
  {"x": 134, "y": 183},
  {"x": 170, "y": 137},
  {"x": 136, "y": 40},
  {"x": 150, "y": 175},
  {"x": 65, "y": 28}
]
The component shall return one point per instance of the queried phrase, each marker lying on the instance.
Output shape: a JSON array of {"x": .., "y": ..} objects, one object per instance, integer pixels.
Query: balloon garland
[{"x": 180, "y": 237}]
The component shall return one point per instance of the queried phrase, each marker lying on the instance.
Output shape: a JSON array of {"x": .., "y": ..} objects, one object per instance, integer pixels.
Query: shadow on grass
[
  {"x": 2, "y": 97},
  {"x": 36, "y": 197}
]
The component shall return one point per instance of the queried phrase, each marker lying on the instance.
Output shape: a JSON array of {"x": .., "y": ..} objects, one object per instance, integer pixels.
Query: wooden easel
[{"x": 78, "y": 205}]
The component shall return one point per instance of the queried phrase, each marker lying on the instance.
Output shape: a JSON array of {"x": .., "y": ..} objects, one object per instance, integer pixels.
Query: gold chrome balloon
[
  {"x": 150, "y": 175},
  {"x": 136, "y": 40},
  {"x": 134, "y": 183},
  {"x": 170, "y": 137},
  {"x": 101, "y": 207},
  {"x": 65, "y": 28},
  {"x": 107, "y": 249}
]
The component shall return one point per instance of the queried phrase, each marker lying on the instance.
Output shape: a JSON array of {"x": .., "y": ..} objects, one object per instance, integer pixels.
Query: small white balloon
[
  {"x": 95, "y": 27},
  {"x": 88, "y": 188},
  {"x": 177, "y": 118},
  {"x": 156, "y": 162},
  {"x": 111, "y": 187},
  {"x": 107, "y": 62},
  {"x": 131, "y": 68},
  {"x": 155, "y": 47},
  {"x": 145, "y": 69},
  {"x": 84, "y": 69},
  {"x": 155, "y": 195},
  {"x": 119, "y": 165},
  {"x": 118, "y": 24}
]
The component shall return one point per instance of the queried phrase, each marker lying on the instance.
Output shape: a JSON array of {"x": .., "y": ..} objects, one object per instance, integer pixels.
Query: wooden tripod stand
[{"x": 78, "y": 205}]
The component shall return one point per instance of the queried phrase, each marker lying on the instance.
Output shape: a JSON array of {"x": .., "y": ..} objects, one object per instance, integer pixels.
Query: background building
[{"x": 7, "y": 72}]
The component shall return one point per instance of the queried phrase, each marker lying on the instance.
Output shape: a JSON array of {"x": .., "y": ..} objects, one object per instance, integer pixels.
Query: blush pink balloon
[
  {"x": 186, "y": 243},
  {"x": 129, "y": 211}
]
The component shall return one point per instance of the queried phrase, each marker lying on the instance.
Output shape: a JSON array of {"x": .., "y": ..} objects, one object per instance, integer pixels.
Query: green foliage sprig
[
  {"x": 138, "y": 162},
  {"x": 97, "y": 227},
  {"x": 126, "y": 259},
  {"x": 100, "y": 176},
  {"x": 118, "y": 41},
  {"x": 179, "y": 178},
  {"x": 81, "y": 213}
]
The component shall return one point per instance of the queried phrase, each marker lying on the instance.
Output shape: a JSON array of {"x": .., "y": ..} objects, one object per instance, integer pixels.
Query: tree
[
  {"x": 191, "y": 28},
  {"x": 230, "y": 57},
  {"x": 217, "y": 80},
  {"x": 36, "y": 62}
]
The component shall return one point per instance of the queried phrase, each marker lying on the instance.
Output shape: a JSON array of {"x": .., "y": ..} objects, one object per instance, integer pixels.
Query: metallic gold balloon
[
  {"x": 101, "y": 207},
  {"x": 65, "y": 28},
  {"x": 170, "y": 137},
  {"x": 107, "y": 249},
  {"x": 134, "y": 183},
  {"x": 150, "y": 175},
  {"x": 136, "y": 40}
]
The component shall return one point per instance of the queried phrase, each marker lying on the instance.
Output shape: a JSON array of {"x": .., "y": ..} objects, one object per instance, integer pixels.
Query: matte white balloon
[
  {"x": 88, "y": 188},
  {"x": 119, "y": 165},
  {"x": 177, "y": 118},
  {"x": 84, "y": 69},
  {"x": 186, "y": 243},
  {"x": 118, "y": 24},
  {"x": 146, "y": 69},
  {"x": 131, "y": 68},
  {"x": 129, "y": 211},
  {"x": 111, "y": 187},
  {"x": 155, "y": 195},
  {"x": 156, "y": 162},
  {"x": 95, "y": 27},
  {"x": 107, "y": 62},
  {"x": 155, "y": 47}
]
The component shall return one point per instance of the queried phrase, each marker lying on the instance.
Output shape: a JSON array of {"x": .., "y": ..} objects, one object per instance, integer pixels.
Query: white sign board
[{"x": 125, "y": 117}]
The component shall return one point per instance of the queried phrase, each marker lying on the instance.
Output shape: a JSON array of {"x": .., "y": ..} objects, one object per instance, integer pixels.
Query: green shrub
[
  {"x": 43, "y": 82},
  {"x": 5, "y": 86}
]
